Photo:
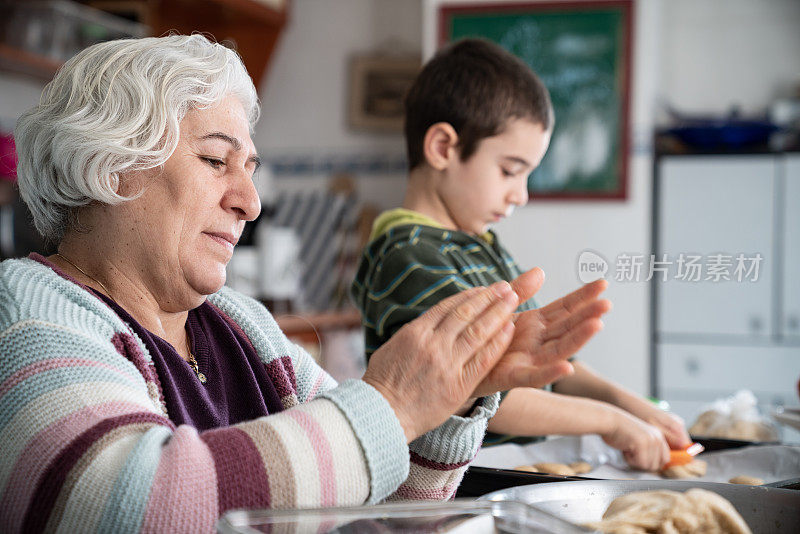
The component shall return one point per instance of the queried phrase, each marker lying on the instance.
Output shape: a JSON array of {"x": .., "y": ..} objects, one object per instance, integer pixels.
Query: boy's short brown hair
[{"x": 476, "y": 87}]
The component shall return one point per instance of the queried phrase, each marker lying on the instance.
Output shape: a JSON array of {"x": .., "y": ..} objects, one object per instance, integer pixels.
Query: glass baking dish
[{"x": 452, "y": 517}]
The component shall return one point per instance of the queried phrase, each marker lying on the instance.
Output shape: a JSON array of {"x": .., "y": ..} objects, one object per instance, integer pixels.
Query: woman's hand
[
  {"x": 546, "y": 337},
  {"x": 643, "y": 445},
  {"x": 431, "y": 366}
]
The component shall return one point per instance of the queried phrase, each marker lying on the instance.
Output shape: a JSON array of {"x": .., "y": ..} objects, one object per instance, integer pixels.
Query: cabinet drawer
[
  {"x": 707, "y": 372},
  {"x": 717, "y": 205}
]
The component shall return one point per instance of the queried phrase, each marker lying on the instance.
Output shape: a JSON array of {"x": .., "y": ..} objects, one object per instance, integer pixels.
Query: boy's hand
[
  {"x": 544, "y": 338},
  {"x": 643, "y": 445},
  {"x": 672, "y": 426}
]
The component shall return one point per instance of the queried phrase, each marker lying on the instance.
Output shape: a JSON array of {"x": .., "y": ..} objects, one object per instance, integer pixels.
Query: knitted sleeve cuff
[
  {"x": 379, "y": 432},
  {"x": 458, "y": 439}
]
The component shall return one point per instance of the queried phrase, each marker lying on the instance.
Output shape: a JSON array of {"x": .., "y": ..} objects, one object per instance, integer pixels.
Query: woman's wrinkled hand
[
  {"x": 432, "y": 365},
  {"x": 544, "y": 338}
]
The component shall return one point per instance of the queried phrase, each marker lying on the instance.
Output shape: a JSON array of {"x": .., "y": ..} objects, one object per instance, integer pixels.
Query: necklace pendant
[{"x": 201, "y": 377}]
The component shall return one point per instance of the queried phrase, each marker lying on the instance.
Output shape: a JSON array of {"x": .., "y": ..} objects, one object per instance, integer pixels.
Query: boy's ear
[{"x": 439, "y": 145}]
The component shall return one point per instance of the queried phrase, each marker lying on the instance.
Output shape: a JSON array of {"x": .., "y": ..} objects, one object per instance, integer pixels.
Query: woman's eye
[
  {"x": 507, "y": 173},
  {"x": 214, "y": 162}
]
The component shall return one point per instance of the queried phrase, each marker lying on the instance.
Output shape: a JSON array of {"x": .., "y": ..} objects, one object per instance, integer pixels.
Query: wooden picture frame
[
  {"x": 582, "y": 52},
  {"x": 378, "y": 85}
]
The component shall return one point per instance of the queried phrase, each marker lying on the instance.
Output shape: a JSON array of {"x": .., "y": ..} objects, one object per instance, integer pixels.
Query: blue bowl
[{"x": 725, "y": 134}]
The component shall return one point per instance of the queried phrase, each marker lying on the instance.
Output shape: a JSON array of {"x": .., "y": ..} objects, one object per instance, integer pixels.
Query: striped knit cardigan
[{"x": 87, "y": 444}]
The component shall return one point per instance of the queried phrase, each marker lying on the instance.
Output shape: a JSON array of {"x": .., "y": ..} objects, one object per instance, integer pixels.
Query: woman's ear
[{"x": 439, "y": 145}]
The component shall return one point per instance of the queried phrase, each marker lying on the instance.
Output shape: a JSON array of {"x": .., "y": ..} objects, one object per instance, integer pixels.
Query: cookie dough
[
  {"x": 713, "y": 424},
  {"x": 529, "y": 468},
  {"x": 696, "y": 510},
  {"x": 695, "y": 468},
  {"x": 746, "y": 480},
  {"x": 554, "y": 468},
  {"x": 581, "y": 468}
]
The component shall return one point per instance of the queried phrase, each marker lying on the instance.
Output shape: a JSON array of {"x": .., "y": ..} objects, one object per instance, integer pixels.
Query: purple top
[{"x": 237, "y": 387}]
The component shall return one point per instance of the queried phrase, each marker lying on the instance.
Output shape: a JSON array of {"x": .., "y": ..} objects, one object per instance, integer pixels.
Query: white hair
[{"x": 116, "y": 107}]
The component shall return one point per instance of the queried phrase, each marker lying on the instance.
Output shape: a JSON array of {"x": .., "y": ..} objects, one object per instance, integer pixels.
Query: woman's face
[{"x": 186, "y": 223}]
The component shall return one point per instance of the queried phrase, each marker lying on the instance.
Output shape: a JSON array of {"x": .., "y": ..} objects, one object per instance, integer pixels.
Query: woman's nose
[{"x": 243, "y": 196}]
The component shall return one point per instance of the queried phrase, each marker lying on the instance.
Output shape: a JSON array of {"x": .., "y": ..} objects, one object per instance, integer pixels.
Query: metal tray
[{"x": 765, "y": 509}]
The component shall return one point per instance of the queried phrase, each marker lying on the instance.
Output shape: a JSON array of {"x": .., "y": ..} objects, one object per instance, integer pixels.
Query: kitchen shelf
[{"x": 252, "y": 27}]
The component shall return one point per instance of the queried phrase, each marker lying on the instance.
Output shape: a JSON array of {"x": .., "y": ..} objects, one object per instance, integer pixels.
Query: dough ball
[
  {"x": 725, "y": 515},
  {"x": 694, "y": 469},
  {"x": 704, "y": 422},
  {"x": 528, "y": 467},
  {"x": 548, "y": 468},
  {"x": 748, "y": 481},
  {"x": 670, "y": 512},
  {"x": 554, "y": 468},
  {"x": 580, "y": 468},
  {"x": 713, "y": 424}
]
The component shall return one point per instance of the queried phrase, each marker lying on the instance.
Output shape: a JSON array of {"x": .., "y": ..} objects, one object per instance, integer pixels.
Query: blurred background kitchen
[{"x": 703, "y": 145}]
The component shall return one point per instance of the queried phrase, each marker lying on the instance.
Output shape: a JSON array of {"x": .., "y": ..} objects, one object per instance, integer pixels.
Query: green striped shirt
[{"x": 409, "y": 267}]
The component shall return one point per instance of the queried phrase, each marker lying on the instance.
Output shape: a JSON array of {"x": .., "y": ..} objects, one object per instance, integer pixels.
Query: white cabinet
[
  {"x": 790, "y": 243},
  {"x": 707, "y": 372},
  {"x": 717, "y": 205},
  {"x": 715, "y": 336}
]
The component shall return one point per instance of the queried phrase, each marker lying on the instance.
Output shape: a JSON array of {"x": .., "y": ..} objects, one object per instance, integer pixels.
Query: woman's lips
[{"x": 226, "y": 240}]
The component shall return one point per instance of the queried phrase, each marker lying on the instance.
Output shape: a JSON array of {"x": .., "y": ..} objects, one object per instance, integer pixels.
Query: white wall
[
  {"x": 305, "y": 93},
  {"x": 720, "y": 53},
  {"x": 676, "y": 58},
  {"x": 17, "y": 93}
]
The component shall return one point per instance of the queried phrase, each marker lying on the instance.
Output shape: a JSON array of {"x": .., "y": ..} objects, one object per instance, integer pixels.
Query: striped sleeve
[
  {"x": 440, "y": 458},
  {"x": 85, "y": 448},
  {"x": 87, "y": 444},
  {"x": 436, "y": 462}
]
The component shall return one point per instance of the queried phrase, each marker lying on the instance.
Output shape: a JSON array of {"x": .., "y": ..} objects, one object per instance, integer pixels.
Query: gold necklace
[
  {"x": 192, "y": 360},
  {"x": 193, "y": 363},
  {"x": 84, "y": 273}
]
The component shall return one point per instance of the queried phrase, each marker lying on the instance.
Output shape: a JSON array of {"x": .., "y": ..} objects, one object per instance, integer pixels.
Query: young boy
[{"x": 478, "y": 121}]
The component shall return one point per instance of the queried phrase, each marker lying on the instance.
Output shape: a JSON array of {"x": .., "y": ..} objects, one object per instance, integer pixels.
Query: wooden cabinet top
[{"x": 251, "y": 27}]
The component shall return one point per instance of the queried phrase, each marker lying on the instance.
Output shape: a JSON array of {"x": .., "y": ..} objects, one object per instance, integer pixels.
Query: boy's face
[{"x": 486, "y": 187}]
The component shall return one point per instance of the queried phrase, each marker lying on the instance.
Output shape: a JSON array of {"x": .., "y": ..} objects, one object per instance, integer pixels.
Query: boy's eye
[{"x": 214, "y": 162}]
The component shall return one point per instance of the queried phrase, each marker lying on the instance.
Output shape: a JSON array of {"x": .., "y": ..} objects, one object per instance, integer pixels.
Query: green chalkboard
[{"x": 581, "y": 51}]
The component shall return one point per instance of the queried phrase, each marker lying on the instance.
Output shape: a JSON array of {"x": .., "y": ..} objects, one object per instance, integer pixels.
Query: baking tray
[
  {"x": 479, "y": 480},
  {"x": 766, "y": 510}
]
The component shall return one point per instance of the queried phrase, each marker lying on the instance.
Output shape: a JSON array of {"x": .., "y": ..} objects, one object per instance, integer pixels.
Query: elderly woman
[{"x": 137, "y": 393}]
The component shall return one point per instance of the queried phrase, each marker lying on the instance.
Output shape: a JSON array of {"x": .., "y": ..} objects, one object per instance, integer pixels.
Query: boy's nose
[{"x": 519, "y": 195}]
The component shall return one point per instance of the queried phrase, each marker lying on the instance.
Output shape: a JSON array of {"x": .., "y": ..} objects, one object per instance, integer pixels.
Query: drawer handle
[{"x": 692, "y": 366}]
